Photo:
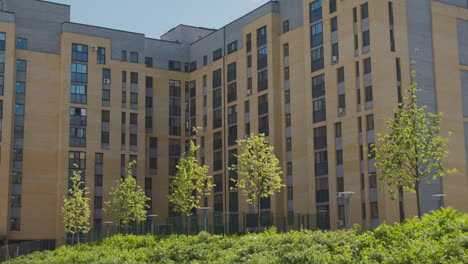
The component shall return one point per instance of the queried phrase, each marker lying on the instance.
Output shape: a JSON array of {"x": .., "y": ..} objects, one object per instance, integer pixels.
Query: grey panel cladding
[
  {"x": 40, "y": 22},
  {"x": 464, "y": 85},
  {"x": 120, "y": 40},
  {"x": 7, "y": 17},
  {"x": 462, "y": 28},
  {"x": 291, "y": 10},
  {"x": 461, "y": 3},
  {"x": 163, "y": 51},
  {"x": 420, "y": 37},
  {"x": 234, "y": 32},
  {"x": 186, "y": 34}
]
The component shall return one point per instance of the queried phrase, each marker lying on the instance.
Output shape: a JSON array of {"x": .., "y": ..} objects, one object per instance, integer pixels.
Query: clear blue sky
[{"x": 156, "y": 17}]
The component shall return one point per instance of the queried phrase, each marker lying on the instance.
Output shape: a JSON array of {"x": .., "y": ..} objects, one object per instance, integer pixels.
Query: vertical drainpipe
[{"x": 225, "y": 156}]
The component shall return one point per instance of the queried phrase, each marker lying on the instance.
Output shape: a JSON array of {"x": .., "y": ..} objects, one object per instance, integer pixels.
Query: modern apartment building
[{"x": 318, "y": 77}]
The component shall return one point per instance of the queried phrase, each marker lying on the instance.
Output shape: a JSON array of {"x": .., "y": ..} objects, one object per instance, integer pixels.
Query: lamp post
[
  {"x": 205, "y": 217},
  {"x": 346, "y": 196},
  {"x": 108, "y": 223},
  {"x": 153, "y": 216},
  {"x": 440, "y": 197}
]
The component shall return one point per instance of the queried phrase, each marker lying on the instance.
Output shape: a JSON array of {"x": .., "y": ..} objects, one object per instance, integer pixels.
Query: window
[
  {"x": 174, "y": 66},
  {"x": 217, "y": 54},
  {"x": 205, "y": 60},
  {"x": 367, "y": 66},
  {"x": 285, "y": 26},
  {"x": 365, "y": 38},
  {"x": 354, "y": 15},
  {"x": 369, "y": 96},
  {"x": 390, "y": 22},
  {"x": 262, "y": 58},
  {"x": 21, "y": 43},
  {"x": 334, "y": 24},
  {"x": 370, "y": 122},
  {"x": 364, "y": 11},
  {"x": 340, "y": 74},
  {"x": 332, "y": 6},
  {"x": 335, "y": 53},
  {"x": 1, "y": 84},
  {"x": 232, "y": 92},
  {"x": 339, "y": 157},
  {"x": 101, "y": 55},
  {"x": 288, "y": 144},
  {"x": 263, "y": 127},
  {"x": 316, "y": 35},
  {"x": 231, "y": 72},
  {"x": 79, "y": 52},
  {"x": 317, "y": 59},
  {"x": 263, "y": 104},
  {"x": 105, "y": 116},
  {"x": 338, "y": 132},
  {"x": 79, "y": 73},
  {"x": 319, "y": 110},
  {"x": 374, "y": 208},
  {"x": 21, "y": 65},
  {"x": 15, "y": 224},
  {"x": 134, "y": 77},
  {"x": 217, "y": 78},
  {"x": 286, "y": 73},
  {"x": 286, "y": 50},
  {"x": 1, "y": 117},
  {"x": 262, "y": 80},
  {"x": 217, "y": 118},
  {"x": 2, "y": 62},
  {"x": 193, "y": 66},
  {"x": 288, "y": 120},
  {"x": 248, "y": 43},
  {"x": 2, "y": 40},
  {"x": 106, "y": 75},
  {"x": 318, "y": 86},
  {"x": 149, "y": 62},
  {"x": 232, "y": 47},
  {"x": 124, "y": 55},
  {"x": 78, "y": 127},
  {"x": 315, "y": 11},
  {"x": 19, "y": 109},
  {"x": 249, "y": 61},
  {"x": 372, "y": 180},
  {"x": 261, "y": 36},
  {"x": 20, "y": 87},
  {"x": 134, "y": 57}
]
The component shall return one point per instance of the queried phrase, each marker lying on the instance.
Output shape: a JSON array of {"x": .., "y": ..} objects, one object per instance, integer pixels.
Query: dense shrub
[{"x": 439, "y": 237}]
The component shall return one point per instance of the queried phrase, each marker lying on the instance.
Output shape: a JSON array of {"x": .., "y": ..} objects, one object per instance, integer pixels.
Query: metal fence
[
  {"x": 215, "y": 223},
  {"x": 15, "y": 250}
]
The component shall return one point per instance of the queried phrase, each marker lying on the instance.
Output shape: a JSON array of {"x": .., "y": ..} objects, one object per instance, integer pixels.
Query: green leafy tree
[
  {"x": 412, "y": 151},
  {"x": 258, "y": 171},
  {"x": 128, "y": 201},
  {"x": 191, "y": 183},
  {"x": 75, "y": 209}
]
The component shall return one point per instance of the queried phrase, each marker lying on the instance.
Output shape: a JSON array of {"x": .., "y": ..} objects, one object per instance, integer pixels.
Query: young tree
[
  {"x": 191, "y": 183},
  {"x": 75, "y": 209},
  {"x": 258, "y": 171},
  {"x": 412, "y": 151},
  {"x": 128, "y": 200}
]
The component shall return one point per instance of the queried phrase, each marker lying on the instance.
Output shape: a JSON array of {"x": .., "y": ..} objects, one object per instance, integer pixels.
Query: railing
[{"x": 15, "y": 250}]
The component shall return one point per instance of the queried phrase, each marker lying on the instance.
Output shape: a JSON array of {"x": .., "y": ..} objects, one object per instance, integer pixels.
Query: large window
[
  {"x": 21, "y": 43},
  {"x": 262, "y": 80},
  {"x": 261, "y": 36},
  {"x": 217, "y": 54},
  {"x": 319, "y": 110},
  {"x": 78, "y": 122},
  {"x": 315, "y": 11},
  {"x": 232, "y": 72},
  {"x": 21, "y": 65},
  {"x": 174, "y": 66},
  {"x": 78, "y": 94},
  {"x": 79, "y": 52},
  {"x": 317, "y": 59},
  {"x": 79, "y": 73},
  {"x": 217, "y": 78},
  {"x": 134, "y": 57},
  {"x": 101, "y": 56},
  {"x": 316, "y": 35},
  {"x": 2, "y": 40},
  {"x": 262, "y": 58},
  {"x": 364, "y": 11},
  {"x": 232, "y": 47}
]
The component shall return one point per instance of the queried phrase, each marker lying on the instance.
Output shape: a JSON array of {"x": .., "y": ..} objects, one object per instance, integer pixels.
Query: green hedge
[{"x": 439, "y": 237}]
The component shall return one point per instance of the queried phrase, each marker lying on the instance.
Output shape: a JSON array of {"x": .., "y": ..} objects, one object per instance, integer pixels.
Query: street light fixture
[
  {"x": 346, "y": 196},
  {"x": 205, "y": 217},
  {"x": 153, "y": 216}
]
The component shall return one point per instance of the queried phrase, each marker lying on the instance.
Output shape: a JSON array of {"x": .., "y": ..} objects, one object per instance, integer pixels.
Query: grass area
[{"x": 439, "y": 237}]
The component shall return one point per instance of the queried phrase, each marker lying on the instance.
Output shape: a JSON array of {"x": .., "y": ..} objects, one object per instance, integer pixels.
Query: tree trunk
[
  {"x": 258, "y": 217},
  {"x": 418, "y": 201}
]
